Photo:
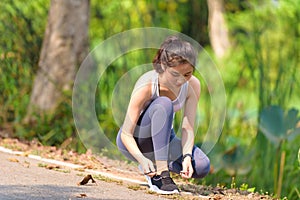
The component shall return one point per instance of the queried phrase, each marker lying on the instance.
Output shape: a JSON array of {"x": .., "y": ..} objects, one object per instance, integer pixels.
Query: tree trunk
[
  {"x": 218, "y": 31},
  {"x": 64, "y": 47}
]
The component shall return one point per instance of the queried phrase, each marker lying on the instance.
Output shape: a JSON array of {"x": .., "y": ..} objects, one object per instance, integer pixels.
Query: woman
[{"x": 147, "y": 134}]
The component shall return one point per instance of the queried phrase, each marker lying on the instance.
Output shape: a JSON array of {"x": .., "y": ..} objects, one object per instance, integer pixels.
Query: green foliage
[
  {"x": 111, "y": 17},
  {"x": 244, "y": 187},
  {"x": 21, "y": 36},
  {"x": 22, "y": 25},
  {"x": 299, "y": 156},
  {"x": 278, "y": 125},
  {"x": 262, "y": 70}
]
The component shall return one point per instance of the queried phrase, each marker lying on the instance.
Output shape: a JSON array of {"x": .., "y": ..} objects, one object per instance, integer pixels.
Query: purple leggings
[{"x": 156, "y": 139}]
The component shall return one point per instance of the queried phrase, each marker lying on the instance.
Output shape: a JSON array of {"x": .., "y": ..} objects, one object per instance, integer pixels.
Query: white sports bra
[{"x": 178, "y": 103}]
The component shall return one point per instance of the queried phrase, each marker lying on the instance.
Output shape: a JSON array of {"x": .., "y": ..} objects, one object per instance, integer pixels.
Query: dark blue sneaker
[{"x": 162, "y": 184}]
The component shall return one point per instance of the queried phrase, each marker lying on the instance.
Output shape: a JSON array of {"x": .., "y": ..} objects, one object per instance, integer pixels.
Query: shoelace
[{"x": 157, "y": 178}]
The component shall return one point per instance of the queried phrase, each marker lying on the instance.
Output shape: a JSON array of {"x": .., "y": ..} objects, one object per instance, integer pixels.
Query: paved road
[{"x": 23, "y": 178}]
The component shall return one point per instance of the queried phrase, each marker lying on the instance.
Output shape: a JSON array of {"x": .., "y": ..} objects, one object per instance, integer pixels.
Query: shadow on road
[{"x": 37, "y": 192}]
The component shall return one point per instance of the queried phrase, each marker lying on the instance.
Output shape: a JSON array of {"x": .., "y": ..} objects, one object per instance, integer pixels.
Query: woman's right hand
[{"x": 148, "y": 167}]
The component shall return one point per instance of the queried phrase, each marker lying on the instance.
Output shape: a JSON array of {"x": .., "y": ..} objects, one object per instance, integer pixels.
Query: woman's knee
[
  {"x": 202, "y": 167},
  {"x": 165, "y": 101},
  {"x": 164, "y": 104}
]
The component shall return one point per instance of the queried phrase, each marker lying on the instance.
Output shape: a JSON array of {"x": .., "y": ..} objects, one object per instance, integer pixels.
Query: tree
[
  {"x": 218, "y": 31},
  {"x": 64, "y": 47}
]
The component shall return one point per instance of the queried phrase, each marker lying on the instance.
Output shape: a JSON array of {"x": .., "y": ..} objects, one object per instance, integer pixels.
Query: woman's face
[{"x": 179, "y": 75}]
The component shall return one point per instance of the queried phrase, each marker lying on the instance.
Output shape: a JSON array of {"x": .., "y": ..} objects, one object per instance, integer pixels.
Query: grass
[
  {"x": 135, "y": 187},
  {"x": 54, "y": 167},
  {"x": 106, "y": 179}
]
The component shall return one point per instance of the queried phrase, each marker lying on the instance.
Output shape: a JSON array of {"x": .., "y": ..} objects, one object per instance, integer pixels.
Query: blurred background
[{"x": 255, "y": 45}]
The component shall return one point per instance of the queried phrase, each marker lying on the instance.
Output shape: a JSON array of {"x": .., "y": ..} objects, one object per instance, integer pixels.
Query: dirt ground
[{"x": 34, "y": 171}]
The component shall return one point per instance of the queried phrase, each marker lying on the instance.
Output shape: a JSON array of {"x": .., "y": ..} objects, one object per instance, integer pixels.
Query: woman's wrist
[{"x": 187, "y": 155}]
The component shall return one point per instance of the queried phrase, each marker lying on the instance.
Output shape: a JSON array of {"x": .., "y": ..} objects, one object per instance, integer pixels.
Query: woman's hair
[{"x": 174, "y": 51}]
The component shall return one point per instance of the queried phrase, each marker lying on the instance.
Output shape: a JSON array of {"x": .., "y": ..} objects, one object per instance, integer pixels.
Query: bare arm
[
  {"x": 188, "y": 123},
  {"x": 138, "y": 99},
  {"x": 190, "y": 115}
]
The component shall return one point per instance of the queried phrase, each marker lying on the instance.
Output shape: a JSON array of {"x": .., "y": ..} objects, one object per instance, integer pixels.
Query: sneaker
[{"x": 163, "y": 184}]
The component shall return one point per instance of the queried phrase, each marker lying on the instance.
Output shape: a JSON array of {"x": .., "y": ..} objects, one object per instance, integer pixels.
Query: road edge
[{"x": 70, "y": 165}]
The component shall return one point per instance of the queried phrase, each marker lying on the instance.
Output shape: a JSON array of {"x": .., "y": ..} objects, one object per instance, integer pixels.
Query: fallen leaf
[
  {"x": 88, "y": 167},
  {"x": 82, "y": 195},
  {"x": 86, "y": 179},
  {"x": 13, "y": 160},
  {"x": 26, "y": 154},
  {"x": 52, "y": 167},
  {"x": 26, "y": 164}
]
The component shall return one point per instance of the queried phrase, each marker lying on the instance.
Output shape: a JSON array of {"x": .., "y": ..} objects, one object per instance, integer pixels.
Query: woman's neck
[{"x": 165, "y": 89}]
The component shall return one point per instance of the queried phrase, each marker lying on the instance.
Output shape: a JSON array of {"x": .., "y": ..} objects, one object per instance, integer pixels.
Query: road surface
[{"x": 26, "y": 178}]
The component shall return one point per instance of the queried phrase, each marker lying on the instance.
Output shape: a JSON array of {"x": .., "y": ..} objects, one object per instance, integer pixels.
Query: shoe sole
[{"x": 155, "y": 189}]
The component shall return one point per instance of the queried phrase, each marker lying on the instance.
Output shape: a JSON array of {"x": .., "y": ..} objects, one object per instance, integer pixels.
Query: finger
[
  {"x": 148, "y": 172},
  {"x": 151, "y": 174},
  {"x": 184, "y": 167},
  {"x": 184, "y": 175},
  {"x": 151, "y": 167},
  {"x": 190, "y": 172}
]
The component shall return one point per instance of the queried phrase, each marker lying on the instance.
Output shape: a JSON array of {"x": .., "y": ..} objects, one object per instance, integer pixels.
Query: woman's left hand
[{"x": 187, "y": 168}]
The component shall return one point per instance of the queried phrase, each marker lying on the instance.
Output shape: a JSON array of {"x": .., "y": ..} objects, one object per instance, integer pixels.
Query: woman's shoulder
[
  {"x": 194, "y": 86},
  {"x": 194, "y": 81},
  {"x": 145, "y": 81},
  {"x": 148, "y": 76}
]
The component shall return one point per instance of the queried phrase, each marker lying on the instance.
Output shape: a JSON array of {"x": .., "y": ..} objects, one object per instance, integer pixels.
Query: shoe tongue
[{"x": 165, "y": 174}]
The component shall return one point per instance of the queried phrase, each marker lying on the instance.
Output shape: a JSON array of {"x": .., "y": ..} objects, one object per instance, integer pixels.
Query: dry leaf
[
  {"x": 26, "y": 164},
  {"x": 88, "y": 167},
  {"x": 26, "y": 154},
  {"x": 82, "y": 195},
  {"x": 86, "y": 179},
  {"x": 52, "y": 167},
  {"x": 13, "y": 160}
]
